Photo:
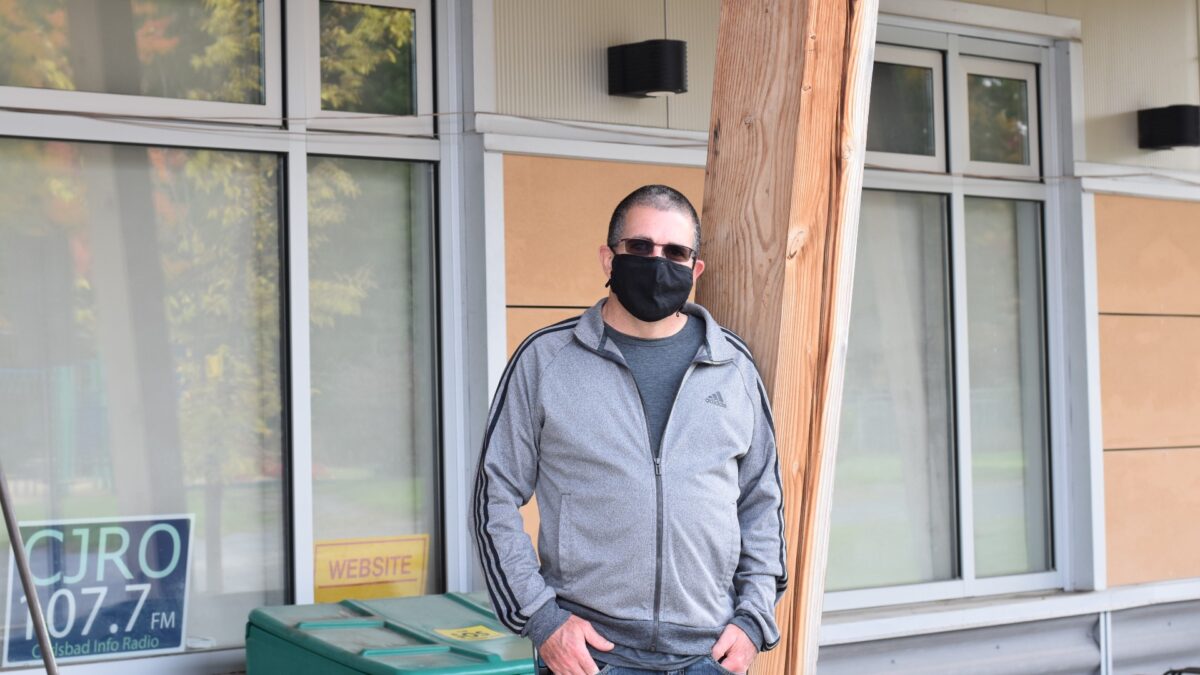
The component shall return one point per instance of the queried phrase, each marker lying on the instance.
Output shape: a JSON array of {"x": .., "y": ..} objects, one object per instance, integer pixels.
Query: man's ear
[
  {"x": 697, "y": 269},
  {"x": 606, "y": 258}
]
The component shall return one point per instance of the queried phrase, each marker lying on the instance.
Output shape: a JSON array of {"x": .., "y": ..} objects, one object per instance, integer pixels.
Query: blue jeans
[{"x": 705, "y": 666}]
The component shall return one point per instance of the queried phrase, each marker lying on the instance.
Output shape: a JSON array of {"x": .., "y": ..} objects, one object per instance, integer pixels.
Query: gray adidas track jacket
[{"x": 660, "y": 548}]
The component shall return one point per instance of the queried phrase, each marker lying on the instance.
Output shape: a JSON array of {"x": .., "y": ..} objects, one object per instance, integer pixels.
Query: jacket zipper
[
  {"x": 658, "y": 498},
  {"x": 656, "y": 457}
]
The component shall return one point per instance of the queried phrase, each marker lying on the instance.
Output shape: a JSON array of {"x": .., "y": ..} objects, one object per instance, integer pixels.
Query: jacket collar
[{"x": 716, "y": 348}]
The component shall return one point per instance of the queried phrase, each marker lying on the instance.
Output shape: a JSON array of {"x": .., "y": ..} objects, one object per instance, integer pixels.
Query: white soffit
[{"x": 985, "y": 16}]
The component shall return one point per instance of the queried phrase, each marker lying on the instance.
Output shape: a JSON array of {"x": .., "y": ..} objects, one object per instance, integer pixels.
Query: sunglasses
[{"x": 676, "y": 253}]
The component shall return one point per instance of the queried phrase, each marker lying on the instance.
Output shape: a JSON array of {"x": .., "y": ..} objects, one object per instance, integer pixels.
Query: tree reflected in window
[
  {"x": 367, "y": 63},
  {"x": 184, "y": 49},
  {"x": 998, "y": 108},
  {"x": 141, "y": 354}
]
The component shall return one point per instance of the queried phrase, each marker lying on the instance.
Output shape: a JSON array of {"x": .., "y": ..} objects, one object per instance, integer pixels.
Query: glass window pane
[
  {"x": 367, "y": 59},
  {"x": 1008, "y": 394},
  {"x": 998, "y": 108},
  {"x": 902, "y": 99},
  {"x": 893, "y": 510},
  {"x": 140, "y": 355},
  {"x": 373, "y": 370},
  {"x": 187, "y": 49}
]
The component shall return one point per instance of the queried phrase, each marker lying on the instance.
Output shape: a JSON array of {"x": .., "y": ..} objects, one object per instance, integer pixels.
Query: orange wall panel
[
  {"x": 1152, "y": 500},
  {"x": 524, "y": 320},
  {"x": 556, "y": 215},
  {"x": 1150, "y": 381},
  {"x": 1148, "y": 282},
  {"x": 1147, "y": 255}
]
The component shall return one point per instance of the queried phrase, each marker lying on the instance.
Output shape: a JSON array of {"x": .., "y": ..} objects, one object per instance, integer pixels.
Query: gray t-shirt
[{"x": 658, "y": 367}]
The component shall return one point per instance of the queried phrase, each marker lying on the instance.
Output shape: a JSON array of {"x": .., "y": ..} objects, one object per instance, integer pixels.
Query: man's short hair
[{"x": 661, "y": 197}]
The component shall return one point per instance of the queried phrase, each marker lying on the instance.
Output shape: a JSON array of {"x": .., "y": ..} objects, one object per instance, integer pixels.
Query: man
[{"x": 645, "y": 432}]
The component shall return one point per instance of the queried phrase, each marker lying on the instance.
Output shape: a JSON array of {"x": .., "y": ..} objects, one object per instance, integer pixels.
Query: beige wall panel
[
  {"x": 1147, "y": 255},
  {"x": 1137, "y": 55},
  {"x": 694, "y": 22},
  {"x": 524, "y": 320},
  {"x": 1152, "y": 498},
  {"x": 551, "y": 59},
  {"x": 1068, "y": 8},
  {"x": 1150, "y": 381},
  {"x": 556, "y": 215}
]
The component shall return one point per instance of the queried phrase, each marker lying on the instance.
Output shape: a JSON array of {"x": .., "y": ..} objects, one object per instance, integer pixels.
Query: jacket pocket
[
  {"x": 563, "y": 534},
  {"x": 733, "y": 552},
  {"x": 702, "y": 553},
  {"x": 606, "y": 554}
]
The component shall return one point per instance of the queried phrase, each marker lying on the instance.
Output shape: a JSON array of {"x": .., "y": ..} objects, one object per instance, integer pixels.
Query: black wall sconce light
[
  {"x": 650, "y": 68},
  {"x": 1170, "y": 127}
]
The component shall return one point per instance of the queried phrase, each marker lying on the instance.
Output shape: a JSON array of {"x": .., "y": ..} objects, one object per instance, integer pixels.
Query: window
[
  {"x": 374, "y": 421},
  {"x": 368, "y": 63},
  {"x": 1002, "y": 121},
  {"x": 942, "y": 486},
  {"x": 908, "y": 84},
  {"x": 1007, "y": 392},
  {"x": 140, "y": 355},
  {"x": 372, "y": 69},
  {"x": 215, "y": 312},
  {"x": 183, "y": 58},
  {"x": 895, "y": 460}
]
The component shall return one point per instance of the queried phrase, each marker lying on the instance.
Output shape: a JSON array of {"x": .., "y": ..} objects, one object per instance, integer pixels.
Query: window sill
[{"x": 863, "y": 625}]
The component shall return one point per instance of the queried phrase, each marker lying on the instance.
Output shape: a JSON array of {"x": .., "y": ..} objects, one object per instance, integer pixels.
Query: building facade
[{"x": 263, "y": 262}]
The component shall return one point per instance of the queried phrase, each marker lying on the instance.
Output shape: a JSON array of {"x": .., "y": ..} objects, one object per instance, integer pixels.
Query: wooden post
[{"x": 780, "y": 217}]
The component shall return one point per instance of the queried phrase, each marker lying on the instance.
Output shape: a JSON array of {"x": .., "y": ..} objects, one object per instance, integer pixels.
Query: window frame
[
  {"x": 425, "y": 320},
  {"x": 968, "y": 65},
  {"x": 303, "y": 141},
  {"x": 91, "y": 103},
  {"x": 72, "y": 116},
  {"x": 921, "y": 58},
  {"x": 420, "y": 124},
  {"x": 959, "y": 184}
]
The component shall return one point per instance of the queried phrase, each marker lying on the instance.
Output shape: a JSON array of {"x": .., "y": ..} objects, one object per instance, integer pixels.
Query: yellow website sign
[{"x": 372, "y": 567}]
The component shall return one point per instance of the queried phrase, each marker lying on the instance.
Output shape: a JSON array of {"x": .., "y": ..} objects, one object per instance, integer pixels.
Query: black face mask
[{"x": 650, "y": 288}]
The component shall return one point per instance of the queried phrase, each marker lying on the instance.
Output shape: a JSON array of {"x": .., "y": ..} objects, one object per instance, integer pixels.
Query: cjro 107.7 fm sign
[{"x": 109, "y": 588}]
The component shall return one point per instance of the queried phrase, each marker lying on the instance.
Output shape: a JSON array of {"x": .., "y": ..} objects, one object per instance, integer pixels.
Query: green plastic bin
[{"x": 430, "y": 634}]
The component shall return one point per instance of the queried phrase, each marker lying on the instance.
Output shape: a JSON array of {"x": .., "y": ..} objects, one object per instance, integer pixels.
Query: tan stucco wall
[
  {"x": 1148, "y": 278},
  {"x": 556, "y": 215}
]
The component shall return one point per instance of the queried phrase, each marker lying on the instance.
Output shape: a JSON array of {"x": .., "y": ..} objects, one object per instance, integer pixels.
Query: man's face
[{"x": 660, "y": 227}]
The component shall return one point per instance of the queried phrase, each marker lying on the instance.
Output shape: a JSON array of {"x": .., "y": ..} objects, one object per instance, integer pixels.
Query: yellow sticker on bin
[{"x": 469, "y": 634}]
